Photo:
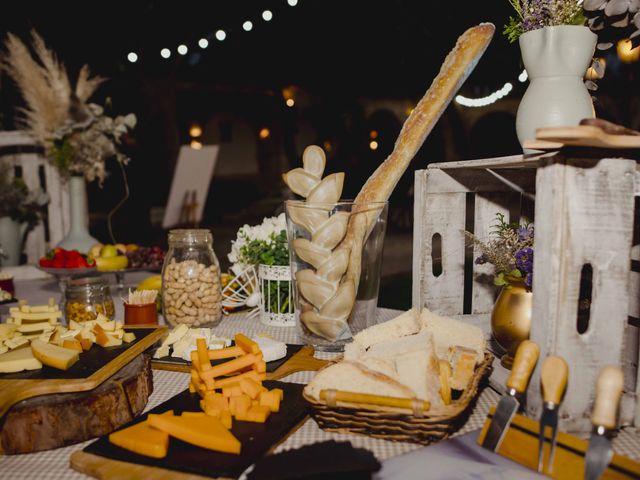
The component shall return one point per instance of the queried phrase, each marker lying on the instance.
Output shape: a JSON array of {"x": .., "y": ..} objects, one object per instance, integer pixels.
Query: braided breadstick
[{"x": 335, "y": 248}]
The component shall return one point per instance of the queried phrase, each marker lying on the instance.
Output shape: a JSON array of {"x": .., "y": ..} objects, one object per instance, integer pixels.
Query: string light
[
  {"x": 220, "y": 35},
  {"x": 373, "y": 134},
  {"x": 264, "y": 133},
  {"x": 196, "y": 145},
  {"x": 495, "y": 96},
  {"x": 290, "y": 102},
  {"x": 373, "y": 145},
  {"x": 195, "y": 130}
]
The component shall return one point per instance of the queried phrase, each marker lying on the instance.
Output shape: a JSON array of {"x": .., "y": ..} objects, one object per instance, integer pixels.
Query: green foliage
[
  {"x": 513, "y": 30},
  {"x": 274, "y": 252},
  {"x": 16, "y": 201}
]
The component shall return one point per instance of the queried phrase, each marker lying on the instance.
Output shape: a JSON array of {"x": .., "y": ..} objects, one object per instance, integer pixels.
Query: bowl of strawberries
[{"x": 69, "y": 262}]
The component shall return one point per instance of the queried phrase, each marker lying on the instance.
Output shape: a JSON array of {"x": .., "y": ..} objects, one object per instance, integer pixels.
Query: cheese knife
[
  {"x": 523, "y": 365},
  {"x": 603, "y": 417},
  {"x": 553, "y": 377}
]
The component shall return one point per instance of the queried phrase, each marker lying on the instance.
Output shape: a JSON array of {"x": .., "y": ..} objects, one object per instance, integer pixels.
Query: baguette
[{"x": 457, "y": 66}]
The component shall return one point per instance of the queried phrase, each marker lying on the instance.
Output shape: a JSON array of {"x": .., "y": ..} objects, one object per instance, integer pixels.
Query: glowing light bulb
[
  {"x": 195, "y": 130},
  {"x": 292, "y": 3},
  {"x": 264, "y": 133},
  {"x": 221, "y": 35},
  {"x": 165, "y": 53},
  {"x": 182, "y": 49},
  {"x": 290, "y": 102},
  {"x": 203, "y": 43},
  {"x": 373, "y": 145},
  {"x": 267, "y": 15},
  {"x": 132, "y": 57},
  {"x": 247, "y": 26}
]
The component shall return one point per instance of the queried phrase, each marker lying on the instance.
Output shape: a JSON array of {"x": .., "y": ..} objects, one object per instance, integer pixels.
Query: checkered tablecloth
[{"x": 54, "y": 464}]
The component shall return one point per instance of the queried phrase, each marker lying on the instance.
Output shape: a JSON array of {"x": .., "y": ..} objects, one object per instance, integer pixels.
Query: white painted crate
[
  {"x": 20, "y": 150},
  {"x": 584, "y": 214}
]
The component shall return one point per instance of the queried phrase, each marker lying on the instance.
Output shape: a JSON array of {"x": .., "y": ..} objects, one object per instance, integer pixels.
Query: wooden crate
[
  {"x": 21, "y": 151},
  {"x": 584, "y": 215}
]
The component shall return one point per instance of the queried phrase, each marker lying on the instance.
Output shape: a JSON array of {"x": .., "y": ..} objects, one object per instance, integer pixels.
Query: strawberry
[
  {"x": 46, "y": 262},
  {"x": 57, "y": 263}
]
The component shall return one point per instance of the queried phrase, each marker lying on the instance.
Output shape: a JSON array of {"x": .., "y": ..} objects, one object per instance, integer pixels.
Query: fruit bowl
[{"x": 67, "y": 272}]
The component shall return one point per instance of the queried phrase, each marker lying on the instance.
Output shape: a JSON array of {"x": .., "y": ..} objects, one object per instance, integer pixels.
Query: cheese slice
[
  {"x": 142, "y": 439},
  {"x": 20, "y": 317},
  {"x": 54, "y": 356},
  {"x": 162, "y": 351},
  {"x": 176, "y": 334},
  {"x": 16, "y": 342},
  {"x": 18, "y": 360},
  {"x": 207, "y": 432},
  {"x": 129, "y": 337},
  {"x": 35, "y": 327}
]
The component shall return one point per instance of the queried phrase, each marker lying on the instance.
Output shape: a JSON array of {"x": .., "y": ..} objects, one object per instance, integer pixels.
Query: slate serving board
[
  {"x": 178, "y": 364},
  {"x": 89, "y": 363},
  {"x": 257, "y": 439}
]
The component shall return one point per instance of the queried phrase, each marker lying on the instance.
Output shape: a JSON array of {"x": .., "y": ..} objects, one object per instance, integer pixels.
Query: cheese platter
[{"x": 57, "y": 390}]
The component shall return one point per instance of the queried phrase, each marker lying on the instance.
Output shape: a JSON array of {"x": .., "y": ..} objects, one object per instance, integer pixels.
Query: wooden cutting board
[
  {"x": 581, "y": 136},
  {"x": 103, "y": 460},
  {"x": 299, "y": 358},
  {"x": 520, "y": 444},
  {"x": 92, "y": 369}
]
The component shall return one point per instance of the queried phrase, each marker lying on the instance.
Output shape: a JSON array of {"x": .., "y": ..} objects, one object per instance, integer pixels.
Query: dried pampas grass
[{"x": 44, "y": 84}]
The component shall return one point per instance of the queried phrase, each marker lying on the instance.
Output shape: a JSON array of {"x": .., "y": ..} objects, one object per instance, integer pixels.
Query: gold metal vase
[{"x": 511, "y": 318}]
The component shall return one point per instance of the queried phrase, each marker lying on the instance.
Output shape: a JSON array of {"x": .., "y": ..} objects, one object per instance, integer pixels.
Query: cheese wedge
[
  {"x": 18, "y": 360},
  {"x": 142, "y": 439},
  {"x": 206, "y": 432},
  {"x": 129, "y": 337},
  {"x": 176, "y": 334},
  {"x": 6, "y": 330},
  {"x": 54, "y": 356}
]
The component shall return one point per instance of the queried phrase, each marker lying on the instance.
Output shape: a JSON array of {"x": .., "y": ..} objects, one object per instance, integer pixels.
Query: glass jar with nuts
[
  {"x": 85, "y": 298},
  {"x": 191, "y": 291}
]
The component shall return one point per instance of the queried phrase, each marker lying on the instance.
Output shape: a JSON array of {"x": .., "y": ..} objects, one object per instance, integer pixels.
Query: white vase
[
  {"x": 556, "y": 59},
  {"x": 11, "y": 236},
  {"x": 78, "y": 237}
]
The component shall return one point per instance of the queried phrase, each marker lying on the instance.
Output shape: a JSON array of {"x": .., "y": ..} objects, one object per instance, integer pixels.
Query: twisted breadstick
[{"x": 331, "y": 299}]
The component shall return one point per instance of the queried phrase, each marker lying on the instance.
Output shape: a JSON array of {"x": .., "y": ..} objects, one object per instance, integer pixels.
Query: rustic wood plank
[
  {"x": 511, "y": 161},
  {"x": 484, "y": 292},
  {"x": 479, "y": 180},
  {"x": 35, "y": 245},
  {"x": 583, "y": 215},
  {"x": 443, "y": 214},
  {"x": 57, "y": 420}
]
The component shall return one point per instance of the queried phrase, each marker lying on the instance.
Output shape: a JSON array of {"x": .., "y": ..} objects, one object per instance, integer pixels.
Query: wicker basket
[{"x": 402, "y": 425}]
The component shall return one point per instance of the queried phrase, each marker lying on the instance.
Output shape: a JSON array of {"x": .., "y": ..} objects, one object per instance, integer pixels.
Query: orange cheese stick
[
  {"x": 246, "y": 344},
  {"x": 229, "y": 367},
  {"x": 206, "y": 432},
  {"x": 223, "y": 353},
  {"x": 204, "y": 363},
  {"x": 252, "y": 374},
  {"x": 260, "y": 366}
]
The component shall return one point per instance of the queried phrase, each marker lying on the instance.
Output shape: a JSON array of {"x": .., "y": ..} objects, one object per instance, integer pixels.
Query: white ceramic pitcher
[{"x": 556, "y": 59}]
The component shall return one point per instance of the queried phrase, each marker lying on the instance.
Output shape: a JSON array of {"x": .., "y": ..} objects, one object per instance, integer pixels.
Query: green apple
[{"x": 108, "y": 251}]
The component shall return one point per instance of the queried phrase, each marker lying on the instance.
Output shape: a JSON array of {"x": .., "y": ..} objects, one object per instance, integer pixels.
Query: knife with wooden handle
[
  {"x": 604, "y": 419},
  {"x": 553, "y": 377},
  {"x": 523, "y": 365}
]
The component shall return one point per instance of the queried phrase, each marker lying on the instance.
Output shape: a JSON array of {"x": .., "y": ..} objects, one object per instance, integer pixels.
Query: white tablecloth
[{"x": 54, "y": 464}]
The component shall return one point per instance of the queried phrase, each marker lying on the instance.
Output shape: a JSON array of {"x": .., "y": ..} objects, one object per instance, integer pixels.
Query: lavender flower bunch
[
  {"x": 535, "y": 14},
  {"x": 510, "y": 251}
]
